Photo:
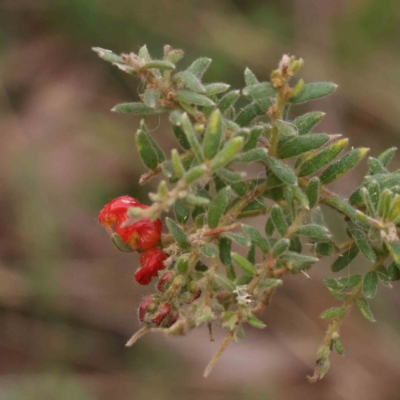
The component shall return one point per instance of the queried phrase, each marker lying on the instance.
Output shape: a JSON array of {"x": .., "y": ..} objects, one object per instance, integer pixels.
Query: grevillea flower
[
  {"x": 141, "y": 235},
  {"x": 115, "y": 211},
  {"x": 151, "y": 261}
]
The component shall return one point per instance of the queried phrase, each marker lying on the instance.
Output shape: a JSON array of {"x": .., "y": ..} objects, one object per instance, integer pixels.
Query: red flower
[
  {"x": 163, "y": 311},
  {"x": 165, "y": 281},
  {"x": 151, "y": 261},
  {"x": 141, "y": 235},
  {"x": 115, "y": 210},
  {"x": 145, "y": 305}
]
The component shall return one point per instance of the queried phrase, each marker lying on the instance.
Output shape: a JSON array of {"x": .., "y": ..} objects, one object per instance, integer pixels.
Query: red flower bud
[
  {"x": 115, "y": 210},
  {"x": 151, "y": 261},
  {"x": 173, "y": 317},
  {"x": 163, "y": 312},
  {"x": 164, "y": 281},
  {"x": 145, "y": 306},
  {"x": 141, "y": 235},
  {"x": 143, "y": 276}
]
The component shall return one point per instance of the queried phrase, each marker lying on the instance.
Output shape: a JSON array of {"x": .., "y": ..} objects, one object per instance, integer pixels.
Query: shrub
[{"x": 213, "y": 268}]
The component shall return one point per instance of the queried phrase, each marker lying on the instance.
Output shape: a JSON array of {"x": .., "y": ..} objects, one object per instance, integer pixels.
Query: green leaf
[
  {"x": 343, "y": 283},
  {"x": 295, "y": 244},
  {"x": 338, "y": 347},
  {"x": 280, "y": 247},
  {"x": 182, "y": 265},
  {"x": 317, "y": 233},
  {"x": 251, "y": 254},
  {"x": 269, "y": 227},
  {"x": 120, "y": 244},
  {"x": 190, "y": 81},
  {"x": 260, "y": 92},
  {"x": 197, "y": 99},
  {"x": 345, "y": 259},
  {"x": 347, "y": 209},
  {"x": 228, "y": 100},
  {"x": 181, "y": 137},
  {"x": 224, "y": 282},
  {"x": 216, "y": 88},
  {"x": 394, "y": 272},
  {"x": 212, "y": 137},
  {"x": 144, "y": 54},
  {"x": 230, "y": 176},
  {"x": 254, "y": 321},
  {"x": 252, "y": 140},
  {"x": 159, "y": 64},
  {"x": 230, "y": 272},
  {"x": 108, "y": 55},
  {"x": 151, "y": 96},
  {"x": 312, "y": 191},
  {"x": 300, "y": 196},
  {"x": 362, "y": 241},
  {"x": 239, "y": 239},
  {"x": 313, "y": 91},
  {"x": 325, "y": 248},
  {"x": 257, "y": 238},
  {"x": 333, "y": 313},
  {"x": 383, "y": 275},
  {"x": 286, "y": 129},
  {"x": 228, "y": 152},
  {"x": 293, "y": 258},
  {"x": 245, "y": 265},
  {"x": 175, "y": 56},
  {"x": 376, "y": 167},
  {"x": 197, "y": 200},
  {"x": 218, "y": 206},
  {"x": 384, "y": 203},
  {"x": 150, "y": 153},
  {"x": 177, "y": 163},
  {"x": 314, "y": 163},
  {"x": 394, "y": 249},
  {"x": 367, "y": 201},
  {"x": 370, "y": 284},
  {"x": 225, "y": 245},
  {"x": 386, "y": 156},
  {"x": 195, "y": 173},
  {"x": 178, "y": 234},
  {"x": 282, "y": 171},
  {"x": 252, "y": 155},
  {"x": 394, "y": 213},
  {"x": 374, "y": 192},
  {"x": 294, "y": 146},
  {"x": 209, "y": 250},
  {"x": 199, "y": 67},
  {"x": 365, "y": 309},
  {"x": 249, "y": 77},
  {"x": 279, "y": 220},
  {"x": 249, "y": 113},
  {"x": 306, "y": 122},
  {"x": 192, "y": 137},
  {"x": 182, "y": 212},
  {"x": 345, "y": 164},
  {"x": 138, "y": 109}
]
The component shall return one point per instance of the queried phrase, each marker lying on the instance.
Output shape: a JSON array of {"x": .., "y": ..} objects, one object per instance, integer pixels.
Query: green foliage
[{"x": 223, "y": 274}]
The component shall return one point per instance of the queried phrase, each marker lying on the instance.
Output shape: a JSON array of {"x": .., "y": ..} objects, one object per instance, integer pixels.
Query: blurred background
[{"x": 67, "y": 297}]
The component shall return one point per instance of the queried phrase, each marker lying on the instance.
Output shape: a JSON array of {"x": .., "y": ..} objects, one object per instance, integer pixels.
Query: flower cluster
[{"x": 142, "y": 236}]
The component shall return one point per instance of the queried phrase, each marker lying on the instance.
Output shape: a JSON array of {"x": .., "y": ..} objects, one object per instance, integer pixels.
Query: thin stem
[
  {"x": 137, "y": 336},
  {"x": 218, "y": 354}
]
